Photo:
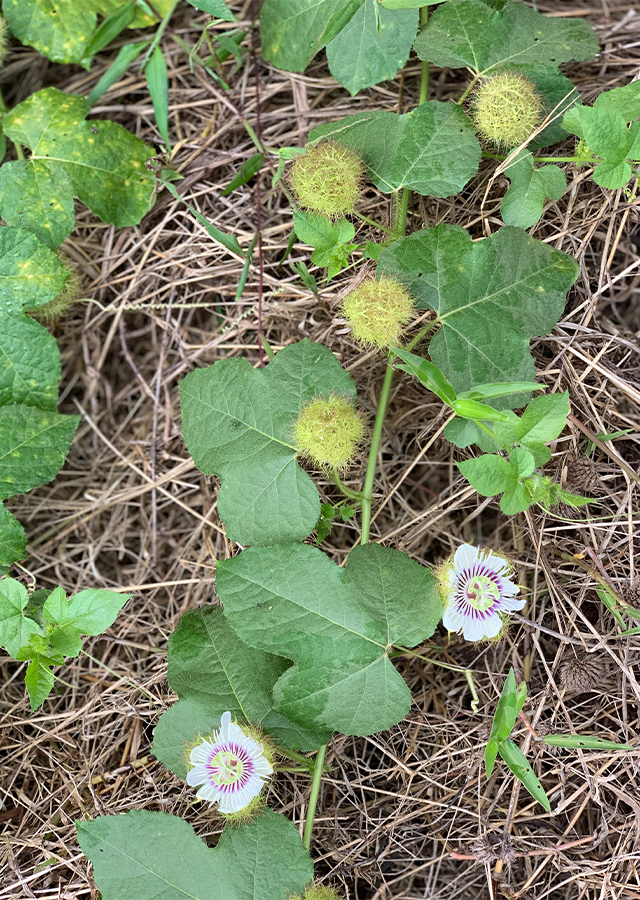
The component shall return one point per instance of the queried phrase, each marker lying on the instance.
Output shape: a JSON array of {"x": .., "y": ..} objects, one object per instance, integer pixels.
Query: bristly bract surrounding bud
[
  {"x": 507, "y": 109},
  {"x": 51, "y": 312},
  {"x": 377, "y": 312},
  {"x": 327, "y": 179},
  {"x": 328, "y": 431},
  {"x": 4, "y": 39},
  {"x": 318, "y": 892}
]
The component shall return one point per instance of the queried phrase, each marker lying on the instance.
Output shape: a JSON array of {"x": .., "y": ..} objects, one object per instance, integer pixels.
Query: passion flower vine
[
  {"x": 229, "y": 768},
  {"x": 477, "y": 593}
]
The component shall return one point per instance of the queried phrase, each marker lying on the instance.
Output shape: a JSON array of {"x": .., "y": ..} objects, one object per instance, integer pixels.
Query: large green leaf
[
  {"x": 491, "y": 298},
  {"x": 145, "y": 855},
  {"x": 212, "y": 671},
  {"x": 372, "y": 47},
  {"x": 30, "y": 275},
  {"x": 238, "y": 422},
  {"x": 470, "y": 33},
  {"x": 99, "y": 162},
  {"x": 15, "y": 627},
  {"x": 413, "y": 150},
  {"x": 293, "y": 31},
  {"x": 13, "y": 540},
  {"x": 33, "y": 447},
  {"x": 337, "y": 624}
]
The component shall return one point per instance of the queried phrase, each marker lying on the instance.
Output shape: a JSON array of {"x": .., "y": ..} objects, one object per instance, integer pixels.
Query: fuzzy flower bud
[
  {"x": 377, "y": 311},
  {"x": 328, "y": 431},
  {"x": 51, "y": 312},
  {"x": 327, "y": 179},
  {"x": 318, "y": 892},
  {"x": 507, "y": 109}
]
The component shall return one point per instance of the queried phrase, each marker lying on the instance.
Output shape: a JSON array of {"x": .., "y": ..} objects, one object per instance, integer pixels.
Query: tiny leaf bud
[
  {"x": 327, "y": 179},
  {"x": 328, "y": 431},
  {"x": 377, "y": 311},
  {"x": 507, "y": 109}
]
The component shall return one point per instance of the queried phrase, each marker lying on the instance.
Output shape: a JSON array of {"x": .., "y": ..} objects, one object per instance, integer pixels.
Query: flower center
[
  {"x": 226, "y": 767},
  {"x": 482, "y": 592}
]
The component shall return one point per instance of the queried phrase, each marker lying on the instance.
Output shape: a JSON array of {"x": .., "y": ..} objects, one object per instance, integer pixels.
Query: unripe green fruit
[
  {"x": 507, "y": 109},
  {"x": 318, "y": 892},
  {"x": 328, "y": 431},
  {"x": 327, "y": 179},
  {"x": 377, "y": 311},
  {"x": 51, "y": 312}
]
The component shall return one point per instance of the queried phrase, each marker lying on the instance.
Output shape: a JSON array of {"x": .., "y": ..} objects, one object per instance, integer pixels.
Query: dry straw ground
[{"x": 130, "y": 511}]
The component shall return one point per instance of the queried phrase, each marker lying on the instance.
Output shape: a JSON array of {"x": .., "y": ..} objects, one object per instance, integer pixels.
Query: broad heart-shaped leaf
[
  {"x": 30, "y": 275},
  {"x": 625, "y": 100},
  {"x": 470, "y": 33},
  {"x": 33, "y": 447},
  {"x": 212, "y": 671},
  {"x": 238, "y": 422},
  {"x": 413, "y": 150},
  {"x": 293, "y": 31},
  {"x": 491, "y": 298},
  {"x": 372, "y": 47},
  {"x": 13, "y": 540},
  {"x": 89, "y": 612},
  {"x": 530, "y": 189},
  {"x": 99, "y": 162},
  {"x": 15, "y": 627},
  {"x": 337, "y": 624},
  {"x": 146, "y": 855}
]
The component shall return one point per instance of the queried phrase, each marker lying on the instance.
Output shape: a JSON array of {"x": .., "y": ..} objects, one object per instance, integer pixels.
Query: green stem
[
  {"x": 475, "y": 80},
  {"x": 353, "y": 495},
  {"x": 313, "y": 796},
  {"x": 549, "y": 159},
  {"x": 367, "y": 492},
  {"x": 371, "y": 222},
  {"x": 416, "y": 340},
  {"x": 400, "y": 216},
  {"x": 468, "y": 674},
  {"x": 424, "y": 73}
]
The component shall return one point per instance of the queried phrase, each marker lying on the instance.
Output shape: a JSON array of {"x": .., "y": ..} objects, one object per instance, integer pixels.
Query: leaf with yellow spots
[
  {"x": 491, "y": 297},
  {"x": 13, "y": 540},
  {"x": 99, "y": 162}
]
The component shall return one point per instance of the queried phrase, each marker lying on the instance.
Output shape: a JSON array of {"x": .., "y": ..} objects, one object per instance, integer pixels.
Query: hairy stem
[
  {"x": 424, "y": 71},
  {"x": 348, "y": 492},
  {"x": 367, "y": 492},
  {"x": 313, "y": 796},
  {"x": 474, "y": 81},
  {"x": 400, "y": 213},
  {"x": 371, "y": 222}
]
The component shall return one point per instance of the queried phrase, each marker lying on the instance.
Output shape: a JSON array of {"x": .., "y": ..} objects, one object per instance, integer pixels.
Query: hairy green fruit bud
[
  {"x": 583, "y": 151},
  {"x": 318, "y": 892},
  {"x": 4, "y": 39},
  {"x": 327, "y": 432},
  {"x": 327, "y": 179},
  {"x": 507, "y": 109},
  {"x": 51, "y": 312},
  {"x": 377, "y": 311}
]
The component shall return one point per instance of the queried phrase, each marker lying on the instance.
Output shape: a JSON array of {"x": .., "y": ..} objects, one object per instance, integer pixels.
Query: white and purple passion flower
[
  {"x": 229, "y": 768},
  {"x": 477, "y": 593}
]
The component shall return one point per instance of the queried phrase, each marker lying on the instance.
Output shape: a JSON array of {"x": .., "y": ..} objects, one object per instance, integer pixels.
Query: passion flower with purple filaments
[
  {"x": 229, "y": 768},
  {"x": 477, "y": 593}
]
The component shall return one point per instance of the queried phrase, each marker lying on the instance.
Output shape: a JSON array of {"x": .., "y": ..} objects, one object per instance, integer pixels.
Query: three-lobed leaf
[
  {"x": 145, "y": 855},
  {"x": 238, "y": 421},
  {"x": 88, "y": 612},
  {"x": 530, "y": 189},
  {"x": 99, "y": 162},
  {"x": 331, "y": 240},
  {"x": 372, "y": 47},
  {"x": 213, "y": 671},
  {"x": 542, "y": 421},
  {"x": 491, "y": 298},
  {"x": 605, "y": 131},
  {"x": 471, "y": 33},
  {"x": 337, "y": 625},
  {"x": 411, "y": 150},
  {"x": 15, "y": 627}
]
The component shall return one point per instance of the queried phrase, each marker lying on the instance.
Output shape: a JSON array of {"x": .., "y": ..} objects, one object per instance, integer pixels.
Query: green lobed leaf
[
  {"x": 217, "y": 8},
  {"x": 145, "y": 855},
  {"x": 372, "y": 47},
  {"x": 517, "y": 762},
  {"x": 492, "y": 475},
  {"x": 470, "y": 33},
  {"x": 411, "y": 150},
  {"x": 337, "y": 624},
  {"x": 463, "y": 433},
  {"x": 212, "y": 671},
  {"x": 238, "y": 422},
  {"x": 15, "y": 627},
  {"x": 584, "y": 742},
  {"x": 88, "y": 612},
  {"x": 293, "y": 31},
  {"x": 530, "y": 188},
  {"x": 33, "y": 447},
  {"x": 13, "y": 540},
  {"x": 39, "y": 681},
  {"x": 624, "y": 100},
  {"x": 99, "y": 162},
  {"x": 491, "y": 298},
  {"x": 605, "y": 131},
  {"x": 331, "y": 240}
]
